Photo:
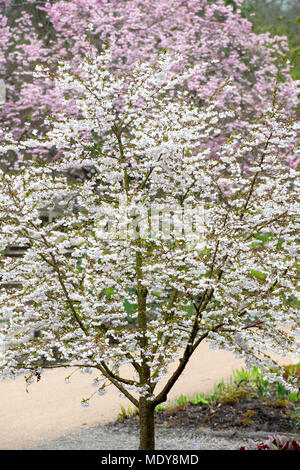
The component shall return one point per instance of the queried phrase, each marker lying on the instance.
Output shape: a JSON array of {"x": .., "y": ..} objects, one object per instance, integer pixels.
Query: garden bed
[
  {"x": 248, "y": 402},
  {"x": 254, "y": 414}
]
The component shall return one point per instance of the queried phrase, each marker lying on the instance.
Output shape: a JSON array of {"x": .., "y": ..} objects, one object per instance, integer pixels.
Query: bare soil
[{"x": 255, "y": 414}]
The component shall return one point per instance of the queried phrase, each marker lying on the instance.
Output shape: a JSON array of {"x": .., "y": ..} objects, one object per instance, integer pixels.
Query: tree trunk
[{"x": 147, "y": 428}]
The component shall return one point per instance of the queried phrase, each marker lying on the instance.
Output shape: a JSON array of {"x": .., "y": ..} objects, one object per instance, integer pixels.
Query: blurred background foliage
[{"x": 279, "y": 18}]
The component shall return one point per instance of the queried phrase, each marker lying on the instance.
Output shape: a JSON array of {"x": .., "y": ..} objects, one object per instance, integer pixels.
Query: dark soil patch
[{"x": 254, "y": 414}]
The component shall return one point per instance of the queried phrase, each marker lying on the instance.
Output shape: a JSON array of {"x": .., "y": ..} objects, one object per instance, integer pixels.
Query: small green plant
[
  {"x": 292, "y": 370},
  {"x": 199, "y": 399},
  {"x": 127, "y": 413},
  {"x": 281, "y": 390},
  {"x": 261, "y": 382},
  {"x": 241, "y": 376},
  {"x": 253, "y": 378},
  {"x": 123, "y": 415},
  {"x": 231, "y": 391},
  {"x": 218, "y": 390},
  {"x": 161, "y": 407},
  {"x": 294, "y": 397},
  {"x": 183, "y": 400}
]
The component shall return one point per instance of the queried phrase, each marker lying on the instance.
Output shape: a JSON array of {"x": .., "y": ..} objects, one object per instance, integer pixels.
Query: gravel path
[{"x": 120, "y": 436}]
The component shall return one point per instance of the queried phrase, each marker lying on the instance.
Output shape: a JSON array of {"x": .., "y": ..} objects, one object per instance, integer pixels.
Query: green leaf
[
  {"x": 129, "y": 307},
  {"x": 293, "y": 301},
  {"x": 79, "y": 262},
  {"x": 131, "y": 290},
  {"x": 264, "y": 237},
  {"x": 109, "y": 291},
  {"x": 258, "y": 274}
]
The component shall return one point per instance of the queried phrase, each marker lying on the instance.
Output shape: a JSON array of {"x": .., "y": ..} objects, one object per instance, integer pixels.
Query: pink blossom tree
[{"x": 204, "y": 32}]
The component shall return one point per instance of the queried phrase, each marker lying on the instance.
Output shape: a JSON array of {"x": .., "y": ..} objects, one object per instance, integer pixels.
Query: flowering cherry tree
[{"x": 105, "y": 287}]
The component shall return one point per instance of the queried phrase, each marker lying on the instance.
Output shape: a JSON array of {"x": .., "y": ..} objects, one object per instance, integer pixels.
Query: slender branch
[
  {"x": 143, "y": 184},
  {"x": 65, "y": 291},
  {"x": 117, "y": 133},
  {"x": 190, "y": 348},
  {"x": 117, "y": 377},
  {"x": 162, "y": 396},
  {"x": 263, "y": 224},
  {"x": 255, "y": 177},
  {"x": 116, "y": 383}
]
